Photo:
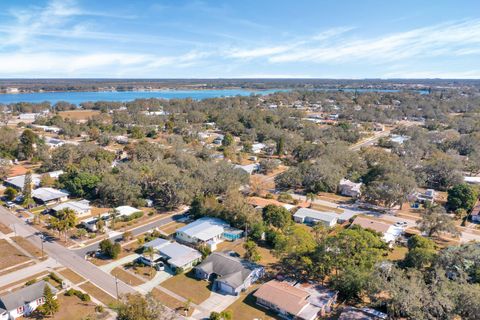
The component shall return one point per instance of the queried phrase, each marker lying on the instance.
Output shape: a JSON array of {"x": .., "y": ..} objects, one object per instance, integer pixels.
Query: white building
[
  {"x": 176, "y": 255},
  {"x": 311, "y": 216},
  {"x": 82, "y": 208},
  {"x": 126, "y": 211},
  {"x": 23, "y": 301},
  {"x": 49, "y": 195},
  {"x": 205, "y": 230},
  {"x": 389, "y": 232},
  {"x": 349, "y": 188}
]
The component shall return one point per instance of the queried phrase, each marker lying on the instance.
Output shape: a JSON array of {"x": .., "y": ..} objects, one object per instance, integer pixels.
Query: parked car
[{"x": 401, "y": 224}]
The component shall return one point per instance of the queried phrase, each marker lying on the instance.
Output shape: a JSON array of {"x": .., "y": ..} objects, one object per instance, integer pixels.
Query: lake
[{"x": 83, "y": 96}]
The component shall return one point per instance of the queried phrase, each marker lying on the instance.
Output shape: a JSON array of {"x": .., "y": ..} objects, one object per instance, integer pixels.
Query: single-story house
[
  {"x": 349, "y": 188},
  {"x": 258, "y": 147},
  {"x": 249, "y": 168},
  {"x": 18, "y": 182},
  {"x": 126, "y": 211},
  {"x": 207, "y": 230},
  {"x": 352, "y": 313},
  {"x": 299, "y": 301},
  {"x": 389, "y": 231},
  {"x": 91, "y": 223},
  {"x": 229, "y": 274},
  {"x": 23, "y": 301},
  {"x": 427, "y": 196},
  {"x": 49, "y": 195},
  {"x": 174, "y": 254},
  {"x": 311, "y": 216},
  {"x": 260, "y": 203},
  {"x": 82, "y": 207}
]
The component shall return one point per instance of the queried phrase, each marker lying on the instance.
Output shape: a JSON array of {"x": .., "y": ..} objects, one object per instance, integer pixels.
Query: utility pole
[
  {"x": 116, "y": 286},
  {"x": 41, "y": 240}
]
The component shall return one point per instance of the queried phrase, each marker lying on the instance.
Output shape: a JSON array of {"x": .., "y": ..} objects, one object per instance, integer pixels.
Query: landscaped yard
[
  {"x": 9, "y": 255},
  {"x": 245, "y": 308},
  {"x": 187, "y": 286}
]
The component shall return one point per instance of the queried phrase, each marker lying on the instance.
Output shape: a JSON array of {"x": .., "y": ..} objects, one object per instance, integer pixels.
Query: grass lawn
[
  {"x": 126, "y": 277},
  {"x": 71, "y": 276},
  {"x": 245, "y": 308},
  {"x": 188, "y": 287},
  {"x": 29, "y": 247},
  {"x": 398, "y": 253},
  {"x": 321, "y": 207},
  {"x": 169, "y": 301},
  {"x": 9, "y": 255},
  {"x": 99, "y": 294}
]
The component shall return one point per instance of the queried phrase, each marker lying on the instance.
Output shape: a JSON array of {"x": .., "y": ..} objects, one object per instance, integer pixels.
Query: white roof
[
  {"x": 353, "y": 186},
  {"x": 249, "y": 168},
  {"x": 178, "y": 255},
  {"x": 317, "y": 215},
  {"x": 77, "y": 206},
  {"x": 126, "y": 210},
  {"x": 473, "y": 180},
  {"x": 205, "y": 228},
  {"x": 19, "y": 181},
  {"x": 48, "y": 194}
]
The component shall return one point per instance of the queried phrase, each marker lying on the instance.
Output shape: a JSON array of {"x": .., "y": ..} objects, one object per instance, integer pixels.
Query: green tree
[
  {"x": 277, "y": 216},
  {"x": 421, "y": 252},
  {"x": 110, "y": 249},
  {"x": 50, "y": 305},
  {"x": 227, "y": 140},
  {"x": 251, "y": 251},
  {"x": 461, "y": 196},
  {"x": 280, "y": 149},
  {"x": 139, "y": 307},
  {"x": 67, "y": 219},
  {"x": 150, "y": 252},
  {"x": 26, "y": 149},
  {"x": 10, "y": 193},
  {"x": 435, "y": 221},
  {"x": 27, "y": 190}
]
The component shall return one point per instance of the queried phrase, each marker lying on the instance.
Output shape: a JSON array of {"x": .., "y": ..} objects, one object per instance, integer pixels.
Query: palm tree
[
  {"x": 113, "y": 216},
  {"x": 150, "y": 252},
  {"x": 311, "y": 196},
  {"x": 68, "y": 220}
]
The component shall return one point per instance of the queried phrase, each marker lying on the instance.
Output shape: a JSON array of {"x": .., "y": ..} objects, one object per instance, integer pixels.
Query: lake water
[{"x": 78, "y": 97}]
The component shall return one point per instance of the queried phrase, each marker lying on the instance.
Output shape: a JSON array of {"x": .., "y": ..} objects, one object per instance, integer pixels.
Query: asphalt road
[
  {"x": 137, "y": 231},
  {"x": 66, "y": 257}
]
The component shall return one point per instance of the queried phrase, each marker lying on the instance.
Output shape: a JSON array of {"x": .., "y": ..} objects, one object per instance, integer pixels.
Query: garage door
[{"x": 225, "y": 288}]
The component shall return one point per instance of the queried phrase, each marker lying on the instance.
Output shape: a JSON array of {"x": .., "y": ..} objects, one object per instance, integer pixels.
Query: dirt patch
[
  {"x": 29, "y": 247},
  {"x": 126, "y": 277}
]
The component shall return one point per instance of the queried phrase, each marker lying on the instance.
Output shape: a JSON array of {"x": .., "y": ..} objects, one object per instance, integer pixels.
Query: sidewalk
[
  {"x": 120, "y": 262},
  {"x": 28, "y": 271}
]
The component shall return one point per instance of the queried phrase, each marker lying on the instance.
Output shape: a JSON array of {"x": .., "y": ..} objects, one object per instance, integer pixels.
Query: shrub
[
  {"x": 30, "y": 282},
  {"x": 55, "y": 278}
]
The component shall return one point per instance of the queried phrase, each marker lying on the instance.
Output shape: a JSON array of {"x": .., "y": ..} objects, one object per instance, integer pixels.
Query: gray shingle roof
[
  {"x": 25, "y": 295},
  {"x": 230, "y": 270}
]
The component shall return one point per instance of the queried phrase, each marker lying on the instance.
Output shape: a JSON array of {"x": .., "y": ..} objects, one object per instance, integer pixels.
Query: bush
[
  {"x": 99, "y": 308},
  {"x": 110, "y": 249},
  {"x": 133, "y": 216},
  {"x": 55, "y": 278},
  {"x": 30, "y": 282},
  {"x": 79, "y": 294}
]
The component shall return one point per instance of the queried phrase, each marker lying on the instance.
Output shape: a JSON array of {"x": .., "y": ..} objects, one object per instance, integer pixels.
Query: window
[
  {"x": 20, "y": 310},
  {"x": 40, "y": 301}
]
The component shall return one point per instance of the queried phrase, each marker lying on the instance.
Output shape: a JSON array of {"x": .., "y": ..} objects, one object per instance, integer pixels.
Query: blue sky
[{"x": 240, "y": 39}]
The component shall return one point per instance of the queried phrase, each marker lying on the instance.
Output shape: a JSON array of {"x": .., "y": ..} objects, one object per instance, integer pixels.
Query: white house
[
  {"x": 23, "y": 301},
  {"x": 209, "y": 231},
  {"x": 126, "y": 211},
  {"x": 258, "y": 147},
  {"x": 311, "y": 216},
  {"x": 174, "y": 254},
  {"x": 82, "y": 208},
  {"x": 249, "y": 168},
  {"x": 349, "y": 188},
  {"x": 18, "y": 182},
  {"x": 49, "y": 195}
]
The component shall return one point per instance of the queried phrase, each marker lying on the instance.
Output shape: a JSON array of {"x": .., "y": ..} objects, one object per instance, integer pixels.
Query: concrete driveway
[{"x": 216, "y": 302}]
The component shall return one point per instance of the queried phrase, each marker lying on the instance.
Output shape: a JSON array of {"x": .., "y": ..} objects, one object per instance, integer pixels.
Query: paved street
[
  {"x": 66, "y": 257},
  {"x": 137, "y": 231}
]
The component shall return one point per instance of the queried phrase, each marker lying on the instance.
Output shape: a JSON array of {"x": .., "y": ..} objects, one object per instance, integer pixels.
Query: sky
[{"x": 239, "y": 39}]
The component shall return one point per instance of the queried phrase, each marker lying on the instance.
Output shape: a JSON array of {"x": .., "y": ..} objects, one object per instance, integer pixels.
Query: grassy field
[
  {"x": 10, "y": 256},
  {"x": 188, "y": 287},
  {"x": 72, "y": 308},
  {"x": 78, "y": 114}
]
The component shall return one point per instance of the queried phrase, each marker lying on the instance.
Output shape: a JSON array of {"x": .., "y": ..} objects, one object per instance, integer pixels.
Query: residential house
[
  {"x": 352, "y": 313},
  {"x": 81, "y": 208},
  {"x": 23, "y": 301},
  {"x": 249, "y": 168},
  {"x": 389, "y": 232},
  {"x": 475, "y": 214},
  {"x": 258, "y": 147},
  {"x": 311, "y": 216},
  {"x": 229, "y": 274},
  {"x": 260, "y": 203},
  {"x": 299, "y": 301},
  {"x": 208, "y": 231},
  {"x": 48, "y": 196},
  {"x": 349, "y": 188},
  {"x": 18, "y": 182},
  {"x": 177, "y": 256},
  {"x": 126, "y": 211},
  {"x": 426, "y": 197}
]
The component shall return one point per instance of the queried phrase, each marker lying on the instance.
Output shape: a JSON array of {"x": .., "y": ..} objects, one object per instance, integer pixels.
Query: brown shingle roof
[
  {"x": 283, "y": 295},
  {"x": 368, "y": 223}
]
